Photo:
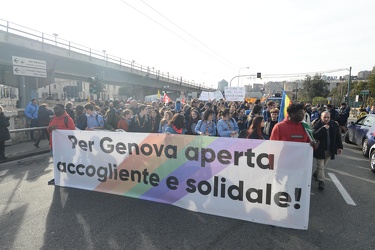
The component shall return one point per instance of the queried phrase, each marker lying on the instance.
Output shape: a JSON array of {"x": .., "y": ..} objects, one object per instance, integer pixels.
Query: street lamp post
[
  {"x": 239, "y": 71},
  {"x": 349, "y": 81}
]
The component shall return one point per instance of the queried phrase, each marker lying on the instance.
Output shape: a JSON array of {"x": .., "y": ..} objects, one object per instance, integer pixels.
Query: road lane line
[{"x": 342, "y": 190}]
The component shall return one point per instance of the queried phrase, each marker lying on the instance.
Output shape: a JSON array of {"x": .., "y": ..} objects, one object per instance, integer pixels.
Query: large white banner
[
  {"x": 254, "y": 180},
  {"x": 234, "y": 94}
]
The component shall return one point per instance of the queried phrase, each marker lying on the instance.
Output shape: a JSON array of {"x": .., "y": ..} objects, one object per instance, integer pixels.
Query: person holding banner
[
  {"x": 176, "y": 125},
  {"x": 256, "y": 129},
  {"x": 155, "y": 120},
  {"x": 141, "y": 122},
  {"x": 227, "y": 127},
  {"x": 61, "y": 120},
  {"x": 94, "y": 120},
  {"x": 195, "y": 117},
  {"x": 291, "y": 128},
  {"x": 124, "y": 121},
  {"x": 165, "y": 121},
  {"x": 206, "y": 126},
  {"x": 328, "y": 133}
]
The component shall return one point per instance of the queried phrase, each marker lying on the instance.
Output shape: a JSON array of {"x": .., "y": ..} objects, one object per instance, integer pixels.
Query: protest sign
[
  {"x": 252, "y": 180},
  {"x": 234, "y": 94}
]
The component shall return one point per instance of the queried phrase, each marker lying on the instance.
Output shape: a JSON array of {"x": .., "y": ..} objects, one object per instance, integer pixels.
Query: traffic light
[
  {"x": 259, "y": 75},
  {"x": 93, "y": 87},
  {"x": 94, "y": 82}
]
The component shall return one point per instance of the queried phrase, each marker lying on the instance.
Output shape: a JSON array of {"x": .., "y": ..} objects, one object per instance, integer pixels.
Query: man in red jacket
[
  {"x": 291, "y": 128},
  {"x": 61, "y": 120}
]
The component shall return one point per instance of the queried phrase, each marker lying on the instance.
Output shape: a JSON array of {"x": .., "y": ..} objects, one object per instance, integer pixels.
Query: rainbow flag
[{"x": 285, "y": 102}]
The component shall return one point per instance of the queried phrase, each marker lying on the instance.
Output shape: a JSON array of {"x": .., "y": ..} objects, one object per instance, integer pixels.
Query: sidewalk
[{"x": 25, "y": 149}]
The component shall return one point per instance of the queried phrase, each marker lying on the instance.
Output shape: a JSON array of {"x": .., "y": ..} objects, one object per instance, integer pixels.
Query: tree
[
  {"x": 319, "y": 100},
  {"x": 371, "y": 87},
  {"x": 357, "y": 87},
  {"x": 315, "y": 86},
  {"x": 338, "y": 93}
]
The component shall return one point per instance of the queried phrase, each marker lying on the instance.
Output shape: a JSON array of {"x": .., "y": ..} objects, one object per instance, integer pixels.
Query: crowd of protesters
[{"x": 204, "y": 118}]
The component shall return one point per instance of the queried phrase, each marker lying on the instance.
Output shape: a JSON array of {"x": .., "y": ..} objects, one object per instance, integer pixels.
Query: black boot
[{"x": 2, "y": 154}]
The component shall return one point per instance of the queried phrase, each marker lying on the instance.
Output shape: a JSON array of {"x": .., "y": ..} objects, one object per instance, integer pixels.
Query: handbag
[{"x": 316, "y": 144}]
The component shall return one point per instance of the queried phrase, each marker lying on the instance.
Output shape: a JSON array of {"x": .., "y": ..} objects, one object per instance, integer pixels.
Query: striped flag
[{"x": 285, "y": 102}]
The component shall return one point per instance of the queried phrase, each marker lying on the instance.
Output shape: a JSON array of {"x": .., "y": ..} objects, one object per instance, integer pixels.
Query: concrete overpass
[{"x": 67, "y": 60}]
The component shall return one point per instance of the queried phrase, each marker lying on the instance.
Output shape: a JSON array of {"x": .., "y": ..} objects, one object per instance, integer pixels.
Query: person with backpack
[
  {"x": 94, "y": 120},
  {"x": 31, "y": 113},
  {"x": 226, "y": 126},
  {"x": 43, "y": 120},
  {"x": 81, "y": 118},
  {"x": 206, "y": 126},
  {"x": 113, "y": 116},
  {"x": 61, "y": 120}
]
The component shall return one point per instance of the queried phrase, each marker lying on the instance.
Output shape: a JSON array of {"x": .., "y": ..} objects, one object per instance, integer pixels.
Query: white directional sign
[
  {"x": 23, "y": 71},
  {"x": 28, "y": 62}
]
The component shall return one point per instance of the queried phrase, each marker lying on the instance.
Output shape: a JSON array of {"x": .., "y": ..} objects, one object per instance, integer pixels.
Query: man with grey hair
[{"x": 328, "y": 133}]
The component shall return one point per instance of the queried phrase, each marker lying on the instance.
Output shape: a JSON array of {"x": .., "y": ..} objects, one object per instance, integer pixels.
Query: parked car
[
  {"x": 362, "y": 133},
  {"x": 372, "y": 158}
]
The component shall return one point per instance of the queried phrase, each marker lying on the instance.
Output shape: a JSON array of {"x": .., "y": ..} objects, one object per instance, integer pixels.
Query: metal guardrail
[
  {"x": 26, "y": 129},
  {"x": 151, "y": 72}
]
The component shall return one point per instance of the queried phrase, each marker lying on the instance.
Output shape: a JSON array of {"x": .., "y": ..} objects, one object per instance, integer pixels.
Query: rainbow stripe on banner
[
  {"x": 285, "y": 102},
  {"x": 231, "y": 177}
]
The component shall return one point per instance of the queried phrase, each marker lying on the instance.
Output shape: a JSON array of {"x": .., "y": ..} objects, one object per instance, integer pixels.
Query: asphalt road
[{"x": 37, "y": 216}]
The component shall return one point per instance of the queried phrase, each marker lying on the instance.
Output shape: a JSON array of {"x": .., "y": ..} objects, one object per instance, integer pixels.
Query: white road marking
[{"x": 342, "y": 190}]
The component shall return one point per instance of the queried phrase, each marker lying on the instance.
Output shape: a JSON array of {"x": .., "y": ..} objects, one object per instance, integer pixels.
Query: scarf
[{"x": 178, "y": 130}]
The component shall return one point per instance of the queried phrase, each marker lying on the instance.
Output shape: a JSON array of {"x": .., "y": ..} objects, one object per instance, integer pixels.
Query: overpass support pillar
[{"x": 22, "y": 91}]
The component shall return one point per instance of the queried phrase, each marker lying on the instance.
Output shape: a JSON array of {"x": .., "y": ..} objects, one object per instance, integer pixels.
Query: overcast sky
[{"x": 210, "y": 40}]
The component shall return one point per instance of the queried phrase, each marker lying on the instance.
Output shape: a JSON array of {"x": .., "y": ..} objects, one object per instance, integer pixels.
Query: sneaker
[
  {"x": 36, "y": 145},
  {"x": 321, "y": 185},
  {"x": 51, "y": 182}
]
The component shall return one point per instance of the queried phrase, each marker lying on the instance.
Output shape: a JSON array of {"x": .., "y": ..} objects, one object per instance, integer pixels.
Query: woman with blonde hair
[{"x": 164, "y": 122}]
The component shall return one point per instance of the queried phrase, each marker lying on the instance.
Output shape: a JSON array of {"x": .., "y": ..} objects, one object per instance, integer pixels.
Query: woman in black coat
[{"x": 4, "y": 132}]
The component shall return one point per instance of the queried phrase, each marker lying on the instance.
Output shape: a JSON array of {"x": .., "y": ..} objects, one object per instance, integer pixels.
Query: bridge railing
[{"x": 124, "y": 64}]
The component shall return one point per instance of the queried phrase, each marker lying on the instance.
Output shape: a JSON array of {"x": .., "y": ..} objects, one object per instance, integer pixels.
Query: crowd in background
[{"x": 204, "y": 118}]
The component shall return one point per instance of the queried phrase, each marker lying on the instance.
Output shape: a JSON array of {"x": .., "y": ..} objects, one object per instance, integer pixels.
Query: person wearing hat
[
  {"x": 81, "y": 118},
  {"x": 31, "y": 113}
]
